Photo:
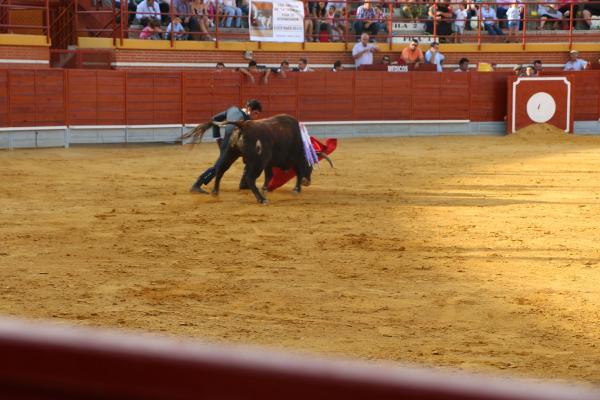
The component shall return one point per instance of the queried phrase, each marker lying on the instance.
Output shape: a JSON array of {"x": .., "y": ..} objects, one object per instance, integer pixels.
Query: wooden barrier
[
  {"x": 45, "y": 362},
  {"x": 94, "y": 97}
]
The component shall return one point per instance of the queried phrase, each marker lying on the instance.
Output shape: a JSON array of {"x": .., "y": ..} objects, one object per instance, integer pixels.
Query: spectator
[
  {"x": 460, "y": 18},
  {"x": 472, "y": 15},
  {"x": 519, "y": 70},
  {"x": 283, "y": 69},
  {"x": 530, "y": 71},
  {"x": 303, "y": 65},
  {"x": 434, "y": 56},
  {"x": 183, "y": 9},
  {"x": 176, "y": 29},
  {"x": 548, "y": 12},
  {"x": 502, "y": 7},
  {"x": 337, "y": 66},
  {"x": 463, "y": 65},
  {"x": 413, "y": 10},
  {"x": 131, "y": 10},
  {"x": 440, "y": 15},
  {"x": 320, "y": 21},
  {"x": 575, "y": 63},
  {"x": 385, "y": 60},
  {"x": 244, "y": 5},
  {"x": 564, "y": 7},
  {"x": 252, "y": 67},
  {"x": 338, "y": 5},
  {"x": 412, "y": 54},
  {"x": 537, "y": 66},
  {"x": 152, "y": 31},
  {"x": 165, "y": 11},
  {"x": 220, "y": 67},
  {"x": 380, "y": 17},
  {"x": 366, "y": 20},
  {"x": 362, "y": 52},
  {"x": 308, "y": 22},
  {"x": 148, "y": 9},
  {"x": 333, "y": 21},
  {"x": 488, "y": 16},
  {"x": 590, "y": 9},
  {"x": 200, "y": 9},
  {"x": 513, "y": 16},
  {"x": 231, "y": 9}
]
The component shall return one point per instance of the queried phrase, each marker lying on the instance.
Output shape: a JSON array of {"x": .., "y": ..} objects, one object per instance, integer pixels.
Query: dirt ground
[{"x": 473, "y": 253}]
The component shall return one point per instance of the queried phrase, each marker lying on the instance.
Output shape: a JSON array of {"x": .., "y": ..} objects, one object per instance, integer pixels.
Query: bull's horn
[{"x": 321, "y": 154}]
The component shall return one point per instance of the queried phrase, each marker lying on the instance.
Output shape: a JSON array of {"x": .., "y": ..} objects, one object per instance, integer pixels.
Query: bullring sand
[{"x": 473, "y": 253}]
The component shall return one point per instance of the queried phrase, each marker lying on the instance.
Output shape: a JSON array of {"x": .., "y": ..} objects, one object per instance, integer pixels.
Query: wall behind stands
[{"x": 84, "y": 97}]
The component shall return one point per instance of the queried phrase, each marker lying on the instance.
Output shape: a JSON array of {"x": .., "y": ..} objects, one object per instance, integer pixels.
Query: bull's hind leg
[
  {"x": 300, "y": 178},
  {"x": 251, "y": 175},
  {"x": 268, "y": 177}
]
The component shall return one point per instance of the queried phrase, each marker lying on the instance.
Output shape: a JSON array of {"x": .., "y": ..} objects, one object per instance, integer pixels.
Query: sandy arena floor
[{"x": 475, "y": 253}]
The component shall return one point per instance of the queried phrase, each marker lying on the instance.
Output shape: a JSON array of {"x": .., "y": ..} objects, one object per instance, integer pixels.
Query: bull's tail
[{"x": 197, "y": 132}]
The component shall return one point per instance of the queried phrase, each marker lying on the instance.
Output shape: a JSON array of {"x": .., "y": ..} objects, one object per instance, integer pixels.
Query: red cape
[{"x": 281, "y": 177}]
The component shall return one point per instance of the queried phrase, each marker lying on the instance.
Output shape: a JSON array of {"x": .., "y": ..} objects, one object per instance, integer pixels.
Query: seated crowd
[
  {"x": 412, "y": 57},
  {"x": 334, "y": 21}
]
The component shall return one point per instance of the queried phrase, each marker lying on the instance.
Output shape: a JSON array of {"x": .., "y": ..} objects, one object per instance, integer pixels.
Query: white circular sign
[{"x": 541, "y": 107}]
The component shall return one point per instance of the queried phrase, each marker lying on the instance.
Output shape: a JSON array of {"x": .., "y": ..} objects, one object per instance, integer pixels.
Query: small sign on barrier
[{"x": 397, "y": 68}]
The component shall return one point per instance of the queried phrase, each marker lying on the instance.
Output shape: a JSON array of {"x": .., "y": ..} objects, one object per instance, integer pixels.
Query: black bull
[{"x": 263, "y": 144}]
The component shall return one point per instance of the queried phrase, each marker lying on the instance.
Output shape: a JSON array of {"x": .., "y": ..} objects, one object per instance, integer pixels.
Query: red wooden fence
[
  {"x": 93, "y": 97},
  {"x": 44, "y": 362}
]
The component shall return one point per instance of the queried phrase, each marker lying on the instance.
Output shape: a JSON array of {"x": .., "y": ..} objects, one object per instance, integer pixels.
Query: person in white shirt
[
  {"x": 434, "y": 56},
  {"x": 149, "y": 9},
  {"x": 463, "y": 65},
  {"x": 575, "y": 63},
  {"x": 513, "y": 15},
  {"x": 460, "y": 18},
  {"x": 362, "y": 52},
  {"x": 303, "y": 65}
]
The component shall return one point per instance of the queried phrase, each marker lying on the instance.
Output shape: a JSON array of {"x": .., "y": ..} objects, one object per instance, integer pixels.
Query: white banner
[{"x": 276, "y": 21}]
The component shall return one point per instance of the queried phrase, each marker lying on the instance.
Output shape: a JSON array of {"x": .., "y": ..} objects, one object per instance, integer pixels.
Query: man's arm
[
  {"x": 248, "y": 74},
  {"x": 266, "y": 77},
  {"x": 220, "y": 117}
]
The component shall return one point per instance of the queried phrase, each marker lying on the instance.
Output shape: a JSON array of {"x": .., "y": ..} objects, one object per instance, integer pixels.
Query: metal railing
[
  {"x": 562, "y": 21},
  {"x": 25, "y": 17}
]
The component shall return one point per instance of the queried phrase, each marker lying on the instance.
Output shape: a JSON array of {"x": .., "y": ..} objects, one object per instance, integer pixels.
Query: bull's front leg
[{"x": 252, "y": 173}]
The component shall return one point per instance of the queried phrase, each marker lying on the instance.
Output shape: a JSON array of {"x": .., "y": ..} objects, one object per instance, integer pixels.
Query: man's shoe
[{"x": 198, "y": 189}]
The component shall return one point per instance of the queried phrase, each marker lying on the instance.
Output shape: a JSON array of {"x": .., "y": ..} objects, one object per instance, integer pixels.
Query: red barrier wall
[
  {"x": 44, "y": 362},
  {"x": 86, "y": 97}
]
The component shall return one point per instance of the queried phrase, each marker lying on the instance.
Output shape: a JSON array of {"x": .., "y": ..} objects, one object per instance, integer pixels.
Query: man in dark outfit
[{"x": 250, "y": 111}]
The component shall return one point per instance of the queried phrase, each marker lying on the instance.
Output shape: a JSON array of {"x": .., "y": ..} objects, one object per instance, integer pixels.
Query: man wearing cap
[{"x": 575, "y": 63}]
